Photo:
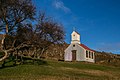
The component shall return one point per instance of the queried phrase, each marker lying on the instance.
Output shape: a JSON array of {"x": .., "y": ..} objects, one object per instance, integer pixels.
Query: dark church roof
[
  {"x": 77, "y": 32},
  {"x": 85, "y": 47}
]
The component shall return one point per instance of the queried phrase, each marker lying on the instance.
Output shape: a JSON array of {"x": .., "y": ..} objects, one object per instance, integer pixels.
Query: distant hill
[{"x": 107, "y": 58}]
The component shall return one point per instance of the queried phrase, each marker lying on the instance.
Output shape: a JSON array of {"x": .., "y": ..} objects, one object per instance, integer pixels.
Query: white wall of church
[
  {"x": 80, "y": 53},
  {"x": 68, "y": 54}
]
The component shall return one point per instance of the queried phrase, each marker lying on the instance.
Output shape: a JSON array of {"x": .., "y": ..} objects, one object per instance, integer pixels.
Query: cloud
[
  {"x": 60, "y": 5},
  {"x": 109, "y": 47}
]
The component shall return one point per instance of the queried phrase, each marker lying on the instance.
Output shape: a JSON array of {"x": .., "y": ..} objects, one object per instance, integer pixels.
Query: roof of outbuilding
[{"x": 85, "y": 47}]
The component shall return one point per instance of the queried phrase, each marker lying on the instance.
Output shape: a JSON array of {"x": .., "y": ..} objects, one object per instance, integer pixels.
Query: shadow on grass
[
  {"x": 35, "y": 62},
  {"x": 8, "y": 63},
  {"x": 8, "y": 66},
  {"x": 29, "y": 62}
]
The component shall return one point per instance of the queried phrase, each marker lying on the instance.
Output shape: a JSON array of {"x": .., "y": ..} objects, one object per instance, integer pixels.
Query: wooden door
[{"x": 73, "y": 55}]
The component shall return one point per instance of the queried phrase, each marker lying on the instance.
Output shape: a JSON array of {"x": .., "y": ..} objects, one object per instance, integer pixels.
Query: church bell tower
[{"x": 75, "y": 37}]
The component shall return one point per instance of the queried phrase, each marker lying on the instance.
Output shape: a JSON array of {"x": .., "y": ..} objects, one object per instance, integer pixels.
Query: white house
[{"x": 77, "y": 51}]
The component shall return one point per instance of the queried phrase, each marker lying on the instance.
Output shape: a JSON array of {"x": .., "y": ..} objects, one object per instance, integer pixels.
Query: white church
[{"x": 77, "y": 51}]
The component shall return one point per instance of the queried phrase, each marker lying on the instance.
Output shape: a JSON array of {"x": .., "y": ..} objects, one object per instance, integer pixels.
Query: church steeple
[{"x": 75, "y": 37}]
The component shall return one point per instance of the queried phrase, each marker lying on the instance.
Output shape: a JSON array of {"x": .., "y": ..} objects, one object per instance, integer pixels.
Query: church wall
[
  {"x": 68, "y": 53},
  {"x": 90, "y": 59},
  {"x": 80, "y": 54},
  {"x": 78, "y": 37}
]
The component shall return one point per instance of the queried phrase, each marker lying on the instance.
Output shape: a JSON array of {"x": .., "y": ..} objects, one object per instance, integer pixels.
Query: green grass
[{"x": 55, "y": 70}]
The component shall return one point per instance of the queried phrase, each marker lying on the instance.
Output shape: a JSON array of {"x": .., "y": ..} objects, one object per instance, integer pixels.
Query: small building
[{"x": 77, "y": 51}]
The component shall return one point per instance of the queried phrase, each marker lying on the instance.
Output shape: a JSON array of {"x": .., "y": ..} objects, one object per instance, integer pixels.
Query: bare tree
[
  {"x": 19, "y": 35},
  {"x": 49, "y": 32},
  {"x": 12, "y": 14},
  {"x": 42, "y": 35}
]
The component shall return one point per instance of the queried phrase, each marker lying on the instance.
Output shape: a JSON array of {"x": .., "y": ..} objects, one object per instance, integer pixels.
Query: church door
[{"x": 73, "y": 55}]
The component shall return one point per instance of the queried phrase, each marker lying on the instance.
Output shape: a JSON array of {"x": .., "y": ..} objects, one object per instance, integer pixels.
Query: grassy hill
[
  {"x": 107, "y": 67},
  {"x": 56, "y": 70}
]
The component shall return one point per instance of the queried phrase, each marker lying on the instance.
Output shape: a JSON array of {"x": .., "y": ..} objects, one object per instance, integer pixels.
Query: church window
[
  {"x": 73, "y": 45},
  {"x": 74, "y": 35},
  {"x": 92, "y": 55},
  {"x": 87, "y": 54}
]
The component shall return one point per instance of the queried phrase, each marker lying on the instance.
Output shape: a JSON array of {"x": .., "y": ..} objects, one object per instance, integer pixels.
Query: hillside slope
[
  {"x": 107, "y": 58},
  {"x": 57, "y": 70}
]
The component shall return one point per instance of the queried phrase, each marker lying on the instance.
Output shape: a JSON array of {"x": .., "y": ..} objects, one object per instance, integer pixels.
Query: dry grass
[{"x": 55, "y": 70}]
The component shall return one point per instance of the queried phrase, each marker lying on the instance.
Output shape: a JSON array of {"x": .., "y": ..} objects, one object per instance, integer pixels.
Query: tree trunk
[
  {"x": 5, "y": 56},
  {"x": 2, "y": 43},
  {"x": 41, "y": 52},
  {"x": 2, "y": 46}
]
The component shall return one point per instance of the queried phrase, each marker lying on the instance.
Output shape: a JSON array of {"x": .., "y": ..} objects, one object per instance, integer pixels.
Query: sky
[{"x": 97, "y": 21}]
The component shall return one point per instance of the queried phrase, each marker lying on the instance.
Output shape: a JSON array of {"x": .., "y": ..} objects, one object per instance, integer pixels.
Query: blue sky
[{"x": 97, "y": 21}]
